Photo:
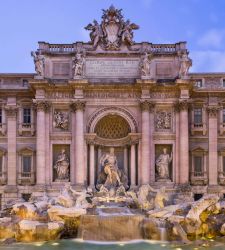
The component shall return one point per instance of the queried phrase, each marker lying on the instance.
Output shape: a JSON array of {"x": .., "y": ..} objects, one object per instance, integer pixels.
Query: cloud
[
  {"x": 212, "y": 38},
  {"x": 147, "y": 3},
  {"x": 208, "y": 61}
]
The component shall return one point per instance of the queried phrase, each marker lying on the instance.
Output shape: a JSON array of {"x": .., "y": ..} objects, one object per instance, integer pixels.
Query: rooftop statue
[
  {"x": 39, "y": 63},
  {"x": 113, "y": 30}
]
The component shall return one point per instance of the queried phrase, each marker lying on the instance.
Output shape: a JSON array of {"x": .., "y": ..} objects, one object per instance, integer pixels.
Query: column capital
[
  {"x": 212, "y": 111},
  {"x": 11, "y": 111},
  {"x": 181, "y": 105},
  {"x": 78, "y": 105},
  {"x": 41, "y": 105},
  {"x": 147, "y": 105}
]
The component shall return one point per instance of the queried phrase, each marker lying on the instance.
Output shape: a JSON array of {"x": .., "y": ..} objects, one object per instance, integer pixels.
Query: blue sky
[{"x": 199, "y": 22}]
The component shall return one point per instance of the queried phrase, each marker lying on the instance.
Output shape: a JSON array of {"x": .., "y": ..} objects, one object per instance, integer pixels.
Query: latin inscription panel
[{"x": 112, "y": 67}]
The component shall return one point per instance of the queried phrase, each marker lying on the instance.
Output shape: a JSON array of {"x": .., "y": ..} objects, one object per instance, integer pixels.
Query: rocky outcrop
[
  {"x": 29, "y": 231},
  {"x": 7, "y": 228},
  {"x": 59, "y": 213}
]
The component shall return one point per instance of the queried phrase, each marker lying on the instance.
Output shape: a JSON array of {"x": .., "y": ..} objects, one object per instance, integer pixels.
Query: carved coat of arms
[{"x": 113, "y": 30}]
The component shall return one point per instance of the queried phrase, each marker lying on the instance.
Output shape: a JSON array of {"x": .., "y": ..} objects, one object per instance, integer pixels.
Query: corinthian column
[
  {"x": 184, "y": 142},
  {"x": 42, "y": 107},
  {"x": 146, "y": 106},
  {"x": 213, "y": 158},
  {"x": 78, "y": 107},
  {"x": 11, "y": 143}
]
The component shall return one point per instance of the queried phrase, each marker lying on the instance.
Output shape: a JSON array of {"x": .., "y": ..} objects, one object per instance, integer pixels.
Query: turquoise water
[{"x": 143, "y": 245}]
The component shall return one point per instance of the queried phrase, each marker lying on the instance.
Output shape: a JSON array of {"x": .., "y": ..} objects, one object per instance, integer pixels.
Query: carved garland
[
  {"x": 11, "y": 111},
  {"x": 147, "y": 106},
  {"x": 212, "y": 111},
  {"x": 78, "y": 105},
  {"x": 42, "y": 105}
]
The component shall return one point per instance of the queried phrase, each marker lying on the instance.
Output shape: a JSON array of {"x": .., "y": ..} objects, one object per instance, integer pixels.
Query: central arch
[{"x": 113, "y": 127}]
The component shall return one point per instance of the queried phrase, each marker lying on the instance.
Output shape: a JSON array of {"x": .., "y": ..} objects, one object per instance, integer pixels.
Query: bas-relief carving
[
  {"x": 78, "y": 65},
  {"x": 61, "y": 166},
  {"x": 61, "y": 120},
  {"x": 163, "y": 120},
  {"x": 113, "y": 30},
  {"x": 39, "y": 62},
  {"x": 162, "y": 164}
]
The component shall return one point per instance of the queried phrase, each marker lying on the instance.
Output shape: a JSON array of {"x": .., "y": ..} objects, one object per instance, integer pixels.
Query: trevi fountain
[{"x": 117, "y": 153}]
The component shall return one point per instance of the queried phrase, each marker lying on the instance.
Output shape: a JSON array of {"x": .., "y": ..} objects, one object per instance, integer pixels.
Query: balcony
[
  {"x": 25, "y": 128},
  {"x": 199, "y": 178},
  {"x": 26, "y": 178},
  {"x": 3, "y": 128},
  {"x": 3, "y": 178},
  {"x": 198, "y": 128}
]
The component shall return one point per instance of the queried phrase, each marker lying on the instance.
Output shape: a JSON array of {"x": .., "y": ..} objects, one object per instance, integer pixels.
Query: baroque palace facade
[{"x": 166, "y": 125}]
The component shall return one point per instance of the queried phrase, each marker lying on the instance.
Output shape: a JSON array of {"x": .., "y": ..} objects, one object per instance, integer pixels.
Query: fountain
[{"x": 113, "y": 213}]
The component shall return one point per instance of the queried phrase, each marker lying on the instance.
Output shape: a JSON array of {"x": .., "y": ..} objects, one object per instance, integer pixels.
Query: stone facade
[{"x": 111, "y": 92}]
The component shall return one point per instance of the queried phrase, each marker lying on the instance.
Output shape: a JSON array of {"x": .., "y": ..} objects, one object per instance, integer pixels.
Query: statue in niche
[
  {"x": 62, "y": 166},
  {"x": 61, "y": 120},
  {"x": 163, "y": 120},
  {"x": 78, "y": 65},
  {"x": 162, "y": 165},
  {"x": 145, "y": 66},
  {"x": 96, "y": 32},
  {"x": 39, "y": 63},
  {"x": 110, "y": 175},
  {"x": 185, "y": 64}
]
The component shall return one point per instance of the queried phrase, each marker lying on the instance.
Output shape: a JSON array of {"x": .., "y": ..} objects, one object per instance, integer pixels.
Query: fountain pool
[{"x": 131, "y": 245}]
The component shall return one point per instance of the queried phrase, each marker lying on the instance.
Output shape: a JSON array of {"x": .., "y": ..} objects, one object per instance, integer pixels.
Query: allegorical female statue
[
  {"x": 62, "y": 166},
  {"x": 162, "y": 165},
  {"x": 39, "y": 63},
  {"x": 111, "y": 175}
]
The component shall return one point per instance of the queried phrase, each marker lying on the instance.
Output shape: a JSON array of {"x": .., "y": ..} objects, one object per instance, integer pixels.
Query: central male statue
[{"x": 110, "y": 175}]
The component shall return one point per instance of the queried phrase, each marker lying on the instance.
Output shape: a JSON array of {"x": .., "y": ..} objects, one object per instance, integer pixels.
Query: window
[
  {"x": 26, "y": 115},
  {"x": 198, "y": 83},
  {"x": 26, "y": 197},
  {"x": 1, "y": 166},
  {"x": 223, "y": 83},
  {"x": 223, "y": 170},
  {"x": 224, "y": 115},
  {"x": 198, "y": 164},
  {"x": 197, "y": 115},
  {"x": 26, "y": 167},
  {"x": 0, "y": 116},
  {"x": 25, "y": 83}
]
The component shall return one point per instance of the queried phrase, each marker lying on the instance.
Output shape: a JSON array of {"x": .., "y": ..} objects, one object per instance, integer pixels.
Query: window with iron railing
[
  {"x": 198, "y": 166},
  {"x": 198, "y": 116},
  {"x": 27, "y": 115},
  {"x": 1, "y": 165},
  {"x": 26, "y": 166},
  {"x": 223, "y": 169},
  {"x": 0, "y": 116}
]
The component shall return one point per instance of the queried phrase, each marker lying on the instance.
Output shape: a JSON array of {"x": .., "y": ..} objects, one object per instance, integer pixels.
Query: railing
[
  {"x": 198, "y": 174},
  {"x": 163, "y": 48},
  {"x": 26, "y": 178},
  {"x": 26, "y": 174},
  {"x": 198, "y": 125},
  {"x": 26, "y": 127},
  {"x": 154, "y": 48}
]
